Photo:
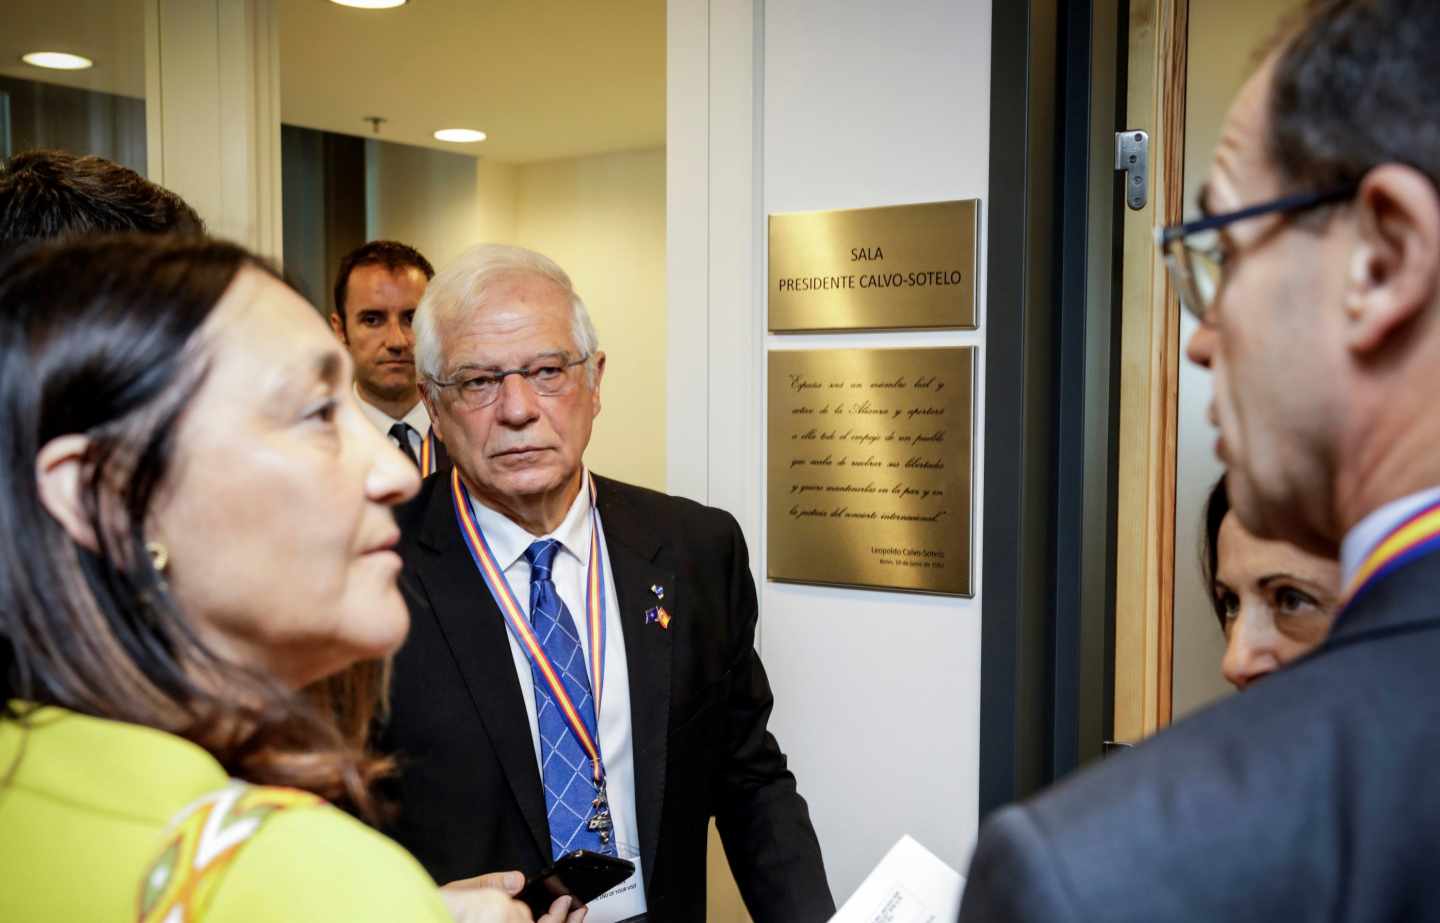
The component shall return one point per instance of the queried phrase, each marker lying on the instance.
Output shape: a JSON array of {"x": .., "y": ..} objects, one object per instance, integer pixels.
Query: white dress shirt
[
  {"x": 508, "y": 542},
  {"x": 1369, "y": 532},
  {"x": 417, "y": 418}
]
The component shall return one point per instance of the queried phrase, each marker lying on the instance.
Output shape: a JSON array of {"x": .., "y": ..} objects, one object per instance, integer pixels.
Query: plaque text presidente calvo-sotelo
[{"x": 900, "y": 266}]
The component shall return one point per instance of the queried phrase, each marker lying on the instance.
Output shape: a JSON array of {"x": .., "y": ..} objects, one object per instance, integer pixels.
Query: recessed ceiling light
[
  {"x": 371, "y": 4},
  {"x": 459, "y": 135},
  {"x": 57, "y": 60}
]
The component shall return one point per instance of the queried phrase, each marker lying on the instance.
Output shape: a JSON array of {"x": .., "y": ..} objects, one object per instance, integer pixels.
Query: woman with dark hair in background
[
  {"x": 1274, "y": 602},
  {"x": 194, "y": 524}
]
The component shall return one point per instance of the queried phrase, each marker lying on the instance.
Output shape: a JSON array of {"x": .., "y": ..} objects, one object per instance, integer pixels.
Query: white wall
[
  {"x": 819, "y": 104},
  {"x": 877, "y": 104},
  {"x": 437, "y": 202},
  {"x": 1224, "y": 35},
  {"x": 603, "y": 219}
]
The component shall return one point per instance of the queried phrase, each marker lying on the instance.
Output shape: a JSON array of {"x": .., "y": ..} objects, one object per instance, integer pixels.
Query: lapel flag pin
[
  {"x": 658, "y": 614},
  {"x": 658, "y": 590}
]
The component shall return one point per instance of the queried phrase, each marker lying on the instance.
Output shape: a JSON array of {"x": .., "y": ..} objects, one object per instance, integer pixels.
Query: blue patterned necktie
[{"x": 565, "y": 768}]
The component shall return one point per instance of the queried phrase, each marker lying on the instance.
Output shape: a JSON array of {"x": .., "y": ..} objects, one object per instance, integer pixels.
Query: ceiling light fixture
[
  {"x": 57, "y": 60},
  {"x": 460, "y": 135},
  {"x": 371, "y": 4}
]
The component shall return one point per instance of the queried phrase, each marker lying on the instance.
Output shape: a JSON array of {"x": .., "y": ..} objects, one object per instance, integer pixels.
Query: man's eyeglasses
[
  {"x": 1194, "y": 254},
  {"x": 546, "y": 377}
]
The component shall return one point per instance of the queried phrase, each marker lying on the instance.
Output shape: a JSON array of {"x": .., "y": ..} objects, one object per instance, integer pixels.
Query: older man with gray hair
[{"x": 581, "y": 671}]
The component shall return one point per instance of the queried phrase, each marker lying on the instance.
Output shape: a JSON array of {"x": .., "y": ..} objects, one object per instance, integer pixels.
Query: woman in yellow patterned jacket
[{"x": 194, "y": 525}]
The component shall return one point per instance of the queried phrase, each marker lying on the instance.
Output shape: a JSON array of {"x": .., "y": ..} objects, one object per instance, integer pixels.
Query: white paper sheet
[{"x": 910, "y": 885}]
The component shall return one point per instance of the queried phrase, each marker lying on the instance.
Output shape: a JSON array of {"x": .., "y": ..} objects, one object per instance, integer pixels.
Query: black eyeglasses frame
[
  {"x": 1180, "y": 253},
  {"x": 1291, "y": 204}
]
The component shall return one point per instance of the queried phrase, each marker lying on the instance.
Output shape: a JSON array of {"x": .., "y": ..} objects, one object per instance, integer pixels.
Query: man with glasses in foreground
[
  {"x": 1312, "y": 795},
  {"x": 580, "y": 671}
]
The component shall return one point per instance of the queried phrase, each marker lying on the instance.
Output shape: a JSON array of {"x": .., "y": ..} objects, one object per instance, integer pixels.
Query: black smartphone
[{"x": 582, "y": 874}]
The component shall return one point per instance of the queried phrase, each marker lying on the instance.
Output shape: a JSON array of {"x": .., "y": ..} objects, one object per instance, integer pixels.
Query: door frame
[
  {"x": 1149, "y": 381},
  {"x": 1053, "y": 348}
]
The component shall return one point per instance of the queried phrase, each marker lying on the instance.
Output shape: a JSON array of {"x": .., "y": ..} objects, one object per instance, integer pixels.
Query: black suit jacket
[
  {"x": 1311, "y": 796},
  {"x": 470, "y": 797}
]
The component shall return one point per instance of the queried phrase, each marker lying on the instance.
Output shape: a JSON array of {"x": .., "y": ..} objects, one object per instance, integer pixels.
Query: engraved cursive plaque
[
  {"x": 900, "y": 266},
  {"x": 869, "y": 468}
]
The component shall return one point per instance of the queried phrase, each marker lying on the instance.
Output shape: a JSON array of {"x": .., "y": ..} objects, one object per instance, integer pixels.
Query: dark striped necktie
[{"x": 400, "y": 432}]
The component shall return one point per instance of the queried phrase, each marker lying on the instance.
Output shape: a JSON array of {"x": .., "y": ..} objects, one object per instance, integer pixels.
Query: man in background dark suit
[
  {"x": 632, "y": 597},
  {"x": 1310, "y": 796}
]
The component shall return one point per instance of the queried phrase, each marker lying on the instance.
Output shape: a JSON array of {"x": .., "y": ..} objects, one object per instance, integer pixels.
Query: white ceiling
[{"x": 545, "y": 79}]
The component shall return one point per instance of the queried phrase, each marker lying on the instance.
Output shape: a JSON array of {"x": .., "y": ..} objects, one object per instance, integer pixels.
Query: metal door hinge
[{"x": 1132, "y": 157}]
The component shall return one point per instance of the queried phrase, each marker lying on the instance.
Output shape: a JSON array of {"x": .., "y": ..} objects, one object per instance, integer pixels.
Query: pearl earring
[{"x": 159, "y": 556}]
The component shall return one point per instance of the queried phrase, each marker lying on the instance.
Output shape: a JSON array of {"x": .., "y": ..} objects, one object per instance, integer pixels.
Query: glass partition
[{"x": 85, "y": 108}]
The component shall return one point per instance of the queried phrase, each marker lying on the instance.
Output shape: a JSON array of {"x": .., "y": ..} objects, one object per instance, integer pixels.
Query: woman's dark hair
[
  {"x": 99, "y": 337},
  {"x": 1217, "y": 507}
]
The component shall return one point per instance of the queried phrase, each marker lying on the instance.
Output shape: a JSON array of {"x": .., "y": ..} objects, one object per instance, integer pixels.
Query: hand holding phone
[
  {"x": 583, "y": 875},
  {"x": 493, "y": 898}
]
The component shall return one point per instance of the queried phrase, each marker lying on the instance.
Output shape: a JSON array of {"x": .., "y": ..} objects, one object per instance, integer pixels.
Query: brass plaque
[
  {"x": 870, "y": 468},
  {"x": 900, "y": 266}
]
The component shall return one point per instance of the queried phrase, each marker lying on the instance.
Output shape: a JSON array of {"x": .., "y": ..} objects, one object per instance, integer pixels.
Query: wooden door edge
[{"x": 1149, "y": 383}]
